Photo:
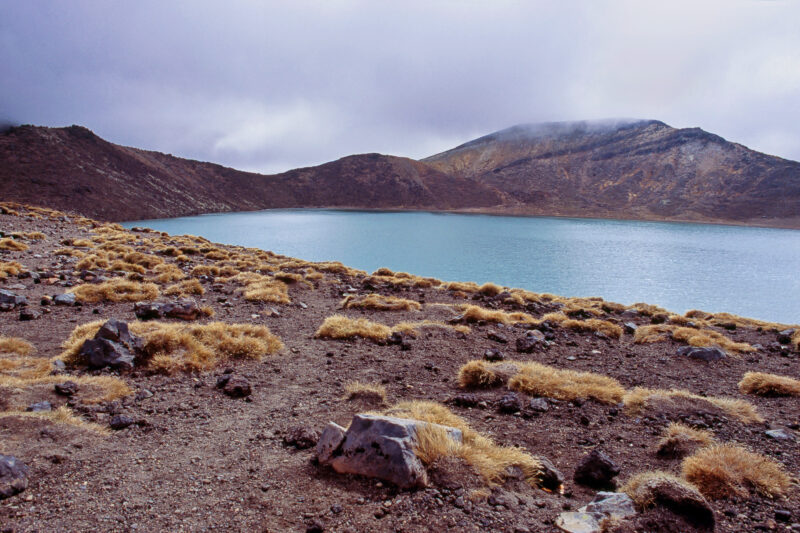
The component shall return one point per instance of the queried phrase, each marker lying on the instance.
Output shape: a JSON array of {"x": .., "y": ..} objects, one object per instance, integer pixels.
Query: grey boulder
[
  {"x": 67, "y": 298},
  {"x": 113, "y": 346},
  {"x": 13, "y": 476},
  {"x": 708, "y": 354},
  {"x": 378, "y": 446},
  {"x": 589, "y": 517}
]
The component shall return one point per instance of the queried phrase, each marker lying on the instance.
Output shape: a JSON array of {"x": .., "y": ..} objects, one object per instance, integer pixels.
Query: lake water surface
[{"x": 752, "y": 272}]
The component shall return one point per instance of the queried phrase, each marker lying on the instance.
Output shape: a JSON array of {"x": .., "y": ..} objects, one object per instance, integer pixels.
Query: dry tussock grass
[
  {"x": 474, "y": 313},
  {"x": 93, "y": 262},
  {"x": 491, "y": 461},
  {"x": 9, "y": 268},
  {"x": 177, "y": 347},
  {"x": 373, "y": 393},
  {"x": 123, "y": 266},
  {"x": 16, "y": 345},
  {"x": 722, "y": 319},
  {"x": 378, "y": 302},
  {"x": 461, "y": 286},
  {"x": 116, "y": 290},
  {"x": 185, "y": 288},
  {"x": 678, "y": 439},
  {"x": 342, "y": 327},
  {"x": 648, "y": 309},
  {"x": 8, "y": 243},
  {"x": 335, "y": 267},
  {"x": 637, "y": 487},
  {"x": 402, "y": 279},
  {"x": 29, "y": 235},
  {"x": 260, "y": 288},
  {"x": 641, "y": 398},
  {"x": 726, "y": 470},
  {"x": 93, "y": 389},
  {"x": 691, "y": 336},
  {"x": 146, "y": 260},
  {"x": 764, "y": 384},
  {"x": 60, "y": 415},
  {"x": 168, "y": 272},
  {"x": 537, "y": 379},
  {"x": 80, "y": 243},
  {"x": 72, "y": 252}
]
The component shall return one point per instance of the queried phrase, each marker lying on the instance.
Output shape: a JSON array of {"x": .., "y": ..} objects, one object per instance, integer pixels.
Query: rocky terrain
[
  {"x": 201, "y": 402},
  {"x": 631, "y": 170}
]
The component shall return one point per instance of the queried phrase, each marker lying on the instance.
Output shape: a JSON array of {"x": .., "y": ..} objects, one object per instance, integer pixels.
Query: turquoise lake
[{"x": 753, "y": 272}]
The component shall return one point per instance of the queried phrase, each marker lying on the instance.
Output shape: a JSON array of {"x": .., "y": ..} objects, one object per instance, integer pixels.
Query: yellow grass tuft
[
  {"x": 168, "y": 272},
  {"x": 177, "y": 347},
  {"x": 9, "y": 268},
  {"x": 769, "y": 385},
  {"x": 93, "y": 262},
  {"x": 30, "y": 235},
  {"x": 116, "y": 290},
  {"x": 691, "y": 336},
  {"x": 491, "y": 461},
  {"x": 378, "y": 302},
  {"x": 124, "y": 266},
  {"x": 726, "y": 470},
  {"x": 641, "y": 398},
  {"x": 594, "y": 324},
  {"x": 60, "y": 415},
  {"x": 368, "y": 392},
  {"x": 679, "y": 439},
  {"x": 490, "y": 289},
  {"x": 16, "y": 345},
  {"x": 541, "y": 380},
  {"x": 461, "y": 286},
  {"x": 146, "y": 260},
  {"x": 474, "y": 313},
  {"x": 185, "y": 288},
  {"x": 12, "y": 245},
  {"x": 342, "y": 327},
  {"x": 108, "y": 388},
  {"x": 260, "y": 288}
]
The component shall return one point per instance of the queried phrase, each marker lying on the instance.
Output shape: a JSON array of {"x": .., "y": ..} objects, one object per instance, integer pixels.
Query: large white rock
[{"x": 378, "y": 446}]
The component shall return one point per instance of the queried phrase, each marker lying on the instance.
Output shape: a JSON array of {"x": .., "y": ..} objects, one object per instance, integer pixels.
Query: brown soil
[{"x": 203, "y": 461}]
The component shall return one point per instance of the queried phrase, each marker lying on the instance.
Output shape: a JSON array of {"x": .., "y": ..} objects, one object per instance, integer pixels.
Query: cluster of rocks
[
  {"x": 112, "y": 346},
  {"x": 186, "y": 309}
]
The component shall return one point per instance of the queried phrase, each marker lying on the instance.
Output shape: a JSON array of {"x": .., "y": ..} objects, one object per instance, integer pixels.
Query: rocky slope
[
  {"x": 225, "y": 440},
  {"x": 630, "y": 169},
  {"x": 72, "y": 168}
]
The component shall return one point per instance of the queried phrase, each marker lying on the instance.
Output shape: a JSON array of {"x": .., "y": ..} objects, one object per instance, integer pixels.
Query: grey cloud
[{"x": 269, "y": 86}]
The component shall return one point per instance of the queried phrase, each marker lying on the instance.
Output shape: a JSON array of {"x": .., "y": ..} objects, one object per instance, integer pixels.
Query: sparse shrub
[
  {"x": 769, "y": 385},
  {"x": 342, "y": 327},
  {"x": 490, "y": 289},
  {"x": 474, "y": 313},
  {"x": 93, "y": 262},
  {"x": 168, "y": 272},
  {"x": 124, "y": 266},
  {"x": 146, "y": 260},
  {"x": 116, "y": 290},
  {"x": 679, "y": 440},
  {"x": 373, "y": 393},
  {"x": 185, "y": 288},
  {"x": 60, "y": 415},
  {"x": 691, "y": 336},
  {"x": 726, "y": 470},
  {"x": 9, "y": 268}
]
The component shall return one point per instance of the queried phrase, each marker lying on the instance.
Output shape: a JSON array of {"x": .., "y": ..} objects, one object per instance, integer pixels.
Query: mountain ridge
[{"x": 622, "y": 168}]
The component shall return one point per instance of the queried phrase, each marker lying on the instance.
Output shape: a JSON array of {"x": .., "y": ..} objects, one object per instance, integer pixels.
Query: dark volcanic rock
[
  {"x": 40, "y": 407},
  {"x": 10, "y": 300},
  {"x": 497, "y": 337},
  {"x": 183, "y": 309},
  {"x": 493, "y": 355},
  {"x": 13, "y": 476},
  {"x": 707, "y": 354},
  {"x": 596, "y": 470},
  {"x": 113, "y": 346},
  {"x": 68, "y": 388},
  {"x": 118, "y": 422},
  {"x": 510, "y": 403},
  {"x": 301, "y": 437},
  {"x": 29, "y": 314},
  {"x": 67, "y": 298},
  {"x": 234, "y": 386},
  {"x": 466, "y": 399}
]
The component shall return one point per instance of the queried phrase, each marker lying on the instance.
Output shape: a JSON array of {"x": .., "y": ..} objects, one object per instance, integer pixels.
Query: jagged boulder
[
  {"x": 113, "y": 346},
  {"x": 707, "y": 354},
  {"x": 182, "y": 309},
  {"x": 13, "y": 476},
  {"x": 377, "y": 446},
  {"x": 588, "y": 518},
  {"x": 596, "y": 470},
  {"x": 10, "y": 300}
]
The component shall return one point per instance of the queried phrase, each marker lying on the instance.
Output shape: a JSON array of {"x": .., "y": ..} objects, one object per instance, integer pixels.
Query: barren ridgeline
[{"x": 159, "y": 382}]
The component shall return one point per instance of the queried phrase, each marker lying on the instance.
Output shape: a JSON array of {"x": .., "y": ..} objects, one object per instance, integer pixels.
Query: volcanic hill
[{"x": 624, "y": 169}]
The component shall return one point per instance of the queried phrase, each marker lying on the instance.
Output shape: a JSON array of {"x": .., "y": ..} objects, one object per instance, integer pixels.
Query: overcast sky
[{"x": 271, "y": 86}]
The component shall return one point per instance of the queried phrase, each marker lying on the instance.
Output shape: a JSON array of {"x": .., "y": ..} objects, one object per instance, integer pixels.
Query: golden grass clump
[
  {"x": 764, "y": 384},
  {"x": 146, "y": 260},
  {"x": 537, "y": 379},
  {"x": 167, "y": 272},
  {"x": 691, "y": 336},
  {"x": 288, "y": 277},
  {"x": 124, "y": 266},
  {"x": 378, "y": 302},
  {"x": 461, "y": 286},
  {"x": 679, "y": 439},
  {"x": 491, "y": 461},
  {"x": 116, "y": 290},
  {"x": 185, "y": 288},
  {"x": 474, "y": 313},
  {"x": 30, "y": 235},
  {"x": 648, "y": 309},
  {"x": 8, "y": 243},
  {"x": 490, "y": 289},
  {"x": 80, "y": 243},
  {"x": 639, "y": 487},
  {"x": 373, "y": 393},
  {"x": 593, "y": 325},
  {"x": 725, "y": 470},
  {"x": 93, "y": 261},
  {"x": 72, "y": 252},
  {"x": 16, "y": 345},
  {"x": 260, "y": 288},
  {"x": 641, "y": 398},
  {"x": 59, "y": 415},
  {"x": 207, "y": 270},
  {"x": 9, "y": 268},
  {"x": 176, "y": 347},
  {"x": 342, "y": 327}
]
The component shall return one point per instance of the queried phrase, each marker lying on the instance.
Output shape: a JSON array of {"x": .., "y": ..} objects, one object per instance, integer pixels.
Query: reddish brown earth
[
  {"x": 632, "y": 170},
  {"x": 204, "y": 461}
]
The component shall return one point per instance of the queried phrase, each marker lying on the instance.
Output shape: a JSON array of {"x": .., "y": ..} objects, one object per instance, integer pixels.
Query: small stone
[
  {"x": 708, "y": 354},
  {"x": 67, "y": 298},
  {"x": 466, "y": 399},
  {"x": 493, "y": 355},
  {"x": 497, "y": 337},
  {"x": 630, "y": 328},
  {"x": 577, "y": 522},
  {"x": 40, "y": 407},
  {"x": 336, "y": 508},
  {"x": 68, "y": 388},
  {"x": 301, "y": 437},
  {"x": 315, "y": 527},
  {"x": 596, "y": 470},
  {"x": 13, "y": 476},
  {"x": 29, "y": 314},
  {"x": 783, "y": 515},
  {"x": 120, "y": 422},
  {"x": 779, "y": 434},
  {"x": 509, "y": 403},
  {"x": 235, "y": 386},
  {"x": 539, "y": 405}
]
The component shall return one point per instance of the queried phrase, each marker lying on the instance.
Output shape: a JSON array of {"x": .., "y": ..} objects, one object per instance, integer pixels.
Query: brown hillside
[
  {"x": 72, "y": 168},
  {"x": 634, "y": 169}
]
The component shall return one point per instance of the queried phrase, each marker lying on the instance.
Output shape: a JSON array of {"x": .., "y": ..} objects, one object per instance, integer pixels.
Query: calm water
[{"x": 753, "y": 272}]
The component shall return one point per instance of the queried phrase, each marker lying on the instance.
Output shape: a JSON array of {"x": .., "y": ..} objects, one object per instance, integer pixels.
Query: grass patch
[
  {"x": 30, "y": 235},
  {"x": 167, "y": 273},
  {"x": 15, "y": 345},
  {"x": 641, "y": 398},
  {"x": 60, "y": 415},
  {"x": 726, "y": 470},
  {"x": 260, "y": 288},
  {"x": 769, "y": 385},
  {"x": 124, "y": 266},
  {"x": 378, "y": 302},
  {"x": 679, "y": 440},
  {"x": 491, "y": 461},
  {"x": 116, "y": 290},
  {"x": 342, "y": 327},
  {"x": 185, "y": 288},
  {"x": 10, "y": 244},
  {"x": 690, "y": 336},
  {"x": 474, "y": 313},
  {"x": 373, "y": 393},
  {"x": 537, "y": 379},
  {"x": 176, "y": 347}
]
